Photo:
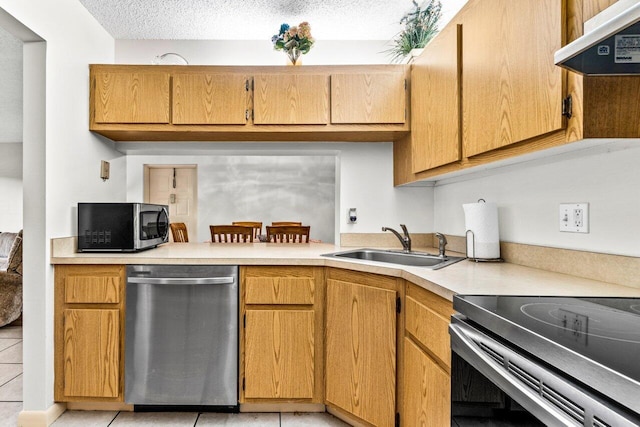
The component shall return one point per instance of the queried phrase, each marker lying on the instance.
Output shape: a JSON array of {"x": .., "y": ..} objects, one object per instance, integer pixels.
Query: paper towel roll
[{"x": 482, "y": 219}]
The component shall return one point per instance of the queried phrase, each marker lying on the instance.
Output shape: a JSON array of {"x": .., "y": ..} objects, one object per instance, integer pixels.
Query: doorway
[{"x": 177, "y": 187}]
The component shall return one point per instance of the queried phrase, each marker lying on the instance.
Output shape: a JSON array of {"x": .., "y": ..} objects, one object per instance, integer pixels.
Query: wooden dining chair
[
  {"x": 257, "y": 227},
  {"x": 285, "y": 223},
  {"x": 231, "y": 233},
  {"x": 288, "y": 234},
  {"x": 179, "y": 232}
]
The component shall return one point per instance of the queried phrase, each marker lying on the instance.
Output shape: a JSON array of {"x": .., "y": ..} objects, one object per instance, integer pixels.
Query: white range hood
[{"x": 610, "y": 44}]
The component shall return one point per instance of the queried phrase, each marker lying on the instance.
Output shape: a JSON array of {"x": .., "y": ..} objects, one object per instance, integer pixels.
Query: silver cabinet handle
[{"x": 182, "y": 280}]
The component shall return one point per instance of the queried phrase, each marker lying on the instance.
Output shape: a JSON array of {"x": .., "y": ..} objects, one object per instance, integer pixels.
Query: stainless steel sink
[{"x": 415, "y": 259}]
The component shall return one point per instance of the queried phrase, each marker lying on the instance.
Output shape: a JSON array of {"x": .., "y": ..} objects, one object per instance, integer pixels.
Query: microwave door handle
[
  {"x": 166, "y": 214},
  {"x": 182, "y": 280},
  {"x": 466, "y": 343}
]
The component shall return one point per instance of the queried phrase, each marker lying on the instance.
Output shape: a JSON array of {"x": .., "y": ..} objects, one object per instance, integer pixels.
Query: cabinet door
[
  {"x": 426, "y": 389},
  {"x": 368, "y": 98},
  {"x": 291, "y": 99},
  {"x": 435, "y": 102},
  {"x": 209, "y": 99},
  {"x": 131, "y": 97},
  {"x": 91, "y": 353},
  {"x": 279, "y": 354},
  {"x": 361, "y": 351},
  {"x": 512, "y": 89}
]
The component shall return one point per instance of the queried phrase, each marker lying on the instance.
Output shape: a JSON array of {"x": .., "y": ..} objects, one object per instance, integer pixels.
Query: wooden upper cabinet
[
  {"x": 512, "y": 89},
  {"x": 368, "y": 98},
  {"x": 291, "y": 99},
  {"x": 435, "y": 102},
  {"x": 210, "y": 99},
  {"x": 130, "y": 96}
]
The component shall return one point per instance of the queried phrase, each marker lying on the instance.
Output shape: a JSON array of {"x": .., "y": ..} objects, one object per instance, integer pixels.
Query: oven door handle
[{"x": 551, "y": 398}]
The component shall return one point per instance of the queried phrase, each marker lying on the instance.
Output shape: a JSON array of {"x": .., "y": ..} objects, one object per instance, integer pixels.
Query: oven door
[{"x": 516, "y": 389}]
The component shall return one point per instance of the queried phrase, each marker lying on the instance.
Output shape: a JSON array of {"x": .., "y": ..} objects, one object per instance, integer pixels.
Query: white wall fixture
[
  {"x": 574, "y": 217},
  {"x": 104, "y": 170},
  {"x": 352, "y": 216}
]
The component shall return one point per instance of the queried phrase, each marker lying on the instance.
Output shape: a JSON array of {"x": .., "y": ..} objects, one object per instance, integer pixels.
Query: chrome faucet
[
  {"x": 405, "y": 240},
  {"x": 442, "y": 242}
]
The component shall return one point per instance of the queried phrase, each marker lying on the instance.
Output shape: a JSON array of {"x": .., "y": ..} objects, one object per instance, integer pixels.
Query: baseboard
[
  {"x": 41, "y": 418},
  {"x": 99, "y": 406},
  {"x": 352, "y": 420},
  {"x": 282, "y": 407}
]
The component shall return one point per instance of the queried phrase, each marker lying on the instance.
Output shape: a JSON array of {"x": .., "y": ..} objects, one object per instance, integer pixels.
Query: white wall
[
  {"x": 62, "y": 160},
  {"x": 365, "y": 180},
  {"x": 10, "y": 87},
  {"x": 528, "y": 199},
  {"x": 250, "y": 52},
  {"x": 11, "y": 186}
]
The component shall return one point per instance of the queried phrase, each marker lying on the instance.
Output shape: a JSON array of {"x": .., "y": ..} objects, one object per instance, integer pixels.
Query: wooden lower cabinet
[
  {"x": 426, "y": 385},
  {"x": 89, "y": 333},
  {"x": 426, "y": 389},
  {"x": 361, "y": 346},
  {"x": 282, "y": 335},
  {"x": 279, "y": 354}
]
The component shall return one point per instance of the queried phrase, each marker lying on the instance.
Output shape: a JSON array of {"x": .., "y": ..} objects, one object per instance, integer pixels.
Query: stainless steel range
[{"x": 554, "y": 360}]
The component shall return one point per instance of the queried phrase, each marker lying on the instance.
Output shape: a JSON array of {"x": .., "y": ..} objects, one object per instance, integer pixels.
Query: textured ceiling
[{"x": 253, "y": 19}]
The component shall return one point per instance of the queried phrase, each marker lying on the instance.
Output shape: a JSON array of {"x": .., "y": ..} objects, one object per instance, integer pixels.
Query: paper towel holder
[{"x": 473, "y": 244}]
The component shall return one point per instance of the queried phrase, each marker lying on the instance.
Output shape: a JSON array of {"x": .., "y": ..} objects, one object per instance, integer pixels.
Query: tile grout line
[{"x": 3, "y": 384}]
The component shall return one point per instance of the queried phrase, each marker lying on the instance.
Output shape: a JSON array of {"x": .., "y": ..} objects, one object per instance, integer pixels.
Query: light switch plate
[
  {"x": 104, "y": 170},
  {"x": 574, "y": 217}
]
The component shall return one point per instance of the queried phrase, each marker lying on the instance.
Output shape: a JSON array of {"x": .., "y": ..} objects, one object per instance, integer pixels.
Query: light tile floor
[
  {"x": 10, "y": 375},
  {"x": 191, "y": 419},
  {"x": 11, "y": 404}
]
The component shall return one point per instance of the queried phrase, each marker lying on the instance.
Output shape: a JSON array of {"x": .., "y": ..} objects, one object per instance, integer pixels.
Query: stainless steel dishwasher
[{"x": 181, "y": 336}]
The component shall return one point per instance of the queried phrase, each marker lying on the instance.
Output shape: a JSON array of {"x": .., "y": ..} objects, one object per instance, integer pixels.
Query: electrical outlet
[{"x": 574, "y": 217}]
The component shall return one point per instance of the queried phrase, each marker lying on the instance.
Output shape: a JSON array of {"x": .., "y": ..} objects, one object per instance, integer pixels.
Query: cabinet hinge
[
  {"x": 244, "y": 321},
  {"x": 405, "y": 84},
  {"x": 397, "y": 419},
  {"x": 246, "y": 85},
  {"x": 398, "y": 305},
  {"x": 567, "y": 105},
  {"x": 242, "y": 383},
  {"x": 246, "y": 114}
]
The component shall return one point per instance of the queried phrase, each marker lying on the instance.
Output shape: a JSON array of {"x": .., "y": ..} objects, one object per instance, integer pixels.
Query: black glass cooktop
[{"x": 586, "y": 337}]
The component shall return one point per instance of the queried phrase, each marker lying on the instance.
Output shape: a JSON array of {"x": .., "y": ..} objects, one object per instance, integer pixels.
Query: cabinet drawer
[
  {"x": 279, "y": 290},
  {"x": 92, "y": 289},
  {"x": 430, "y": 328}
]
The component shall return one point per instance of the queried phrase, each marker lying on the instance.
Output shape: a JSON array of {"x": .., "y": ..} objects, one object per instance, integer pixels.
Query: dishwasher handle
[{"x": 182, "y": 280}]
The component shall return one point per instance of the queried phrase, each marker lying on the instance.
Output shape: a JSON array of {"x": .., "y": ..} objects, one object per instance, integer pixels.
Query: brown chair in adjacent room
[
  {"x": 288, "y": 234},
  {"x": 231, "y": 234},
  {"x": 285, "y": 223},
  {"x": 257, "y": 227},
  {"x": 179, "y": 232}
]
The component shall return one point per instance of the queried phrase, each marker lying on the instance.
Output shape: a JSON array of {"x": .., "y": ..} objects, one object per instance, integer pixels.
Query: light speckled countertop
[{"x": 464, "y": 277}]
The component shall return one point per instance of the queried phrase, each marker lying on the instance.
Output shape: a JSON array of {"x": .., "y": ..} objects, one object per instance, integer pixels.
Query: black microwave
[{"x": 121, "y": 227}]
